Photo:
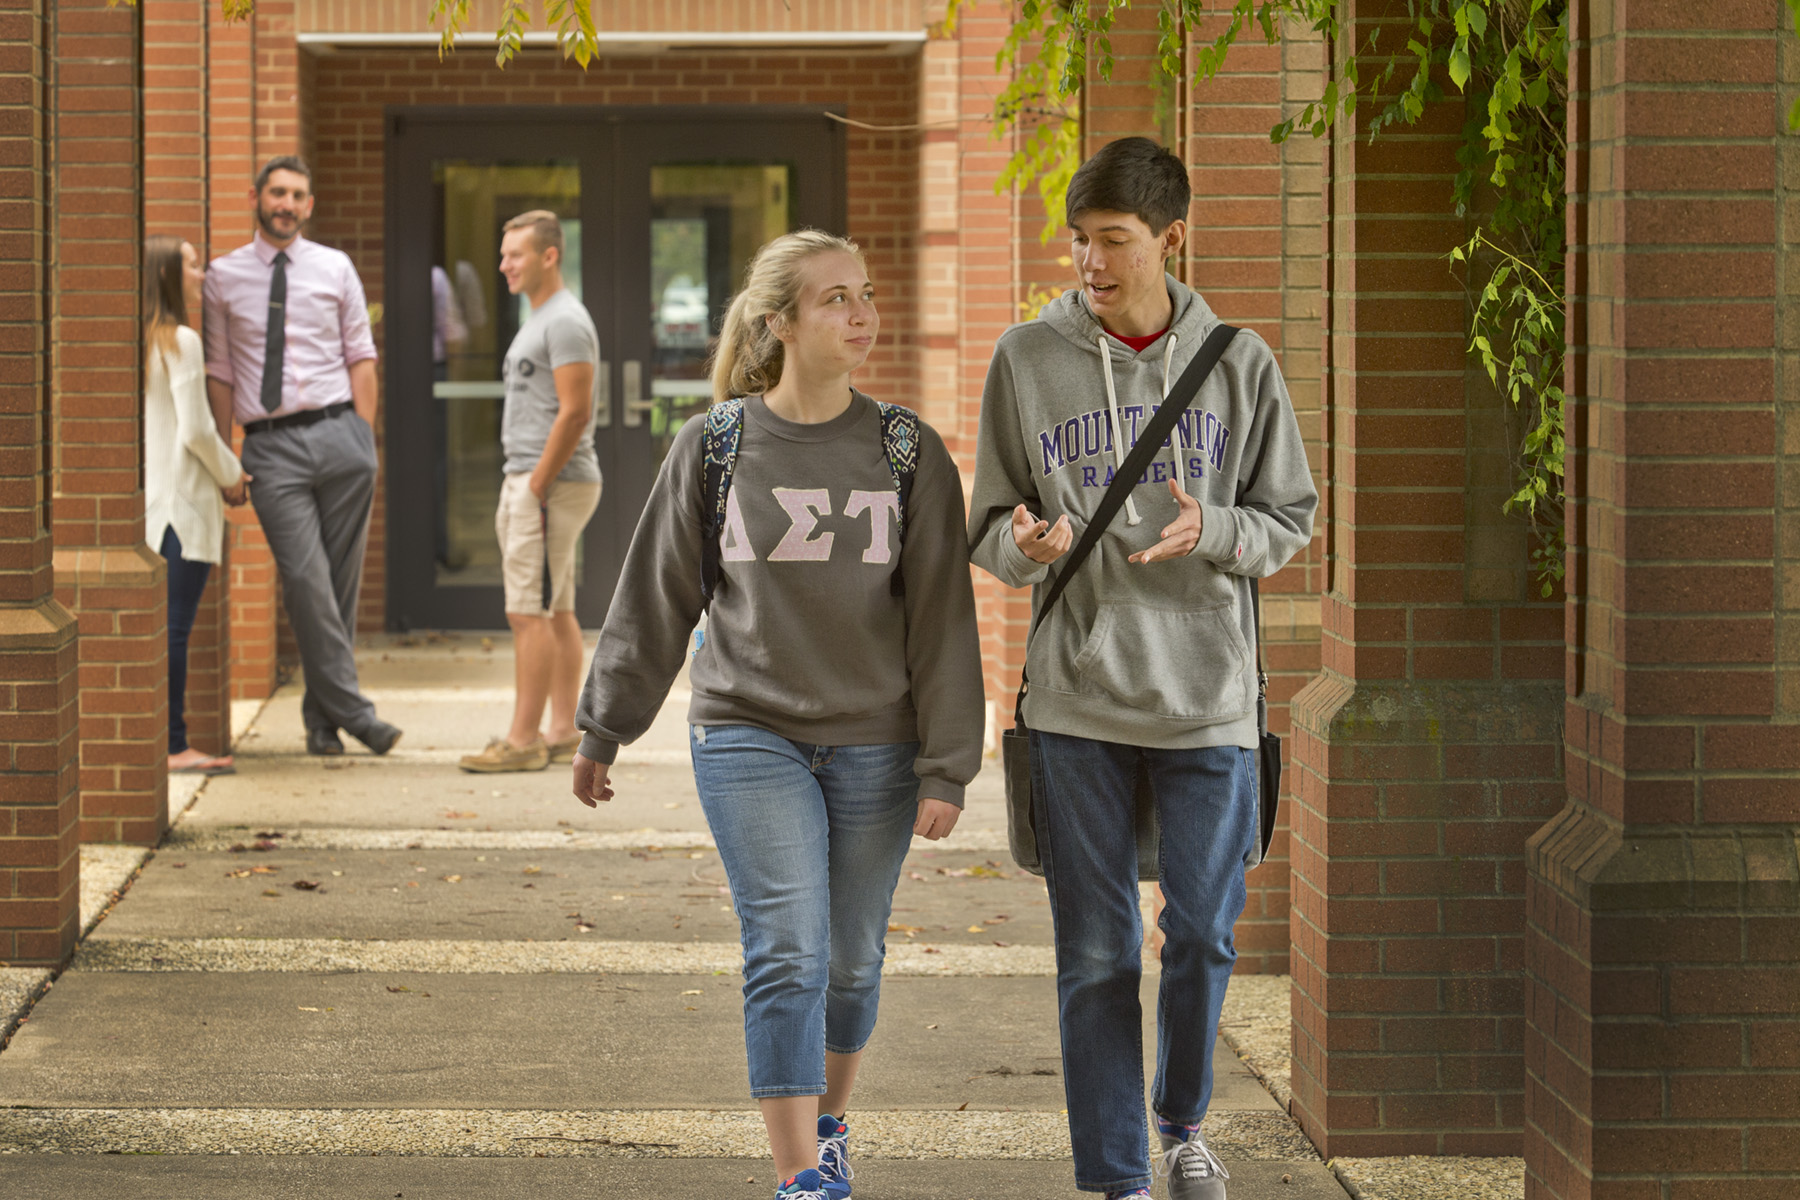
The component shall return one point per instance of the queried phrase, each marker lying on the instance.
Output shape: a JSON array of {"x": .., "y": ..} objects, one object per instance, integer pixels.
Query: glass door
[{"x": 662, "y": 210}]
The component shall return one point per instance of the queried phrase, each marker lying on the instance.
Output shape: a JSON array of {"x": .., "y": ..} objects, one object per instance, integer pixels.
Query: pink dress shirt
[{"x": 327, "y": 326}]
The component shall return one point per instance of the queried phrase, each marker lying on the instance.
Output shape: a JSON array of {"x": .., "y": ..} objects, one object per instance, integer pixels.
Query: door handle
[
  {"x": 603, "y": 396},
  {"x": 636, "y": 403}
]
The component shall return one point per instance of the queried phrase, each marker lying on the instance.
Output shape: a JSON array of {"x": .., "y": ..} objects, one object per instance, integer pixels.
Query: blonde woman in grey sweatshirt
[{"x": 837, "y": 702}]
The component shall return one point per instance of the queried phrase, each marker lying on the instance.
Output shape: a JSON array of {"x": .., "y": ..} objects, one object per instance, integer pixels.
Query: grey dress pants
[{"x": 313, "y": 487}]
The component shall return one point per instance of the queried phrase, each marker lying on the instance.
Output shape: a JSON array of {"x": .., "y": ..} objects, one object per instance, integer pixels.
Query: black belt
[{"x": 303, "y": 417}]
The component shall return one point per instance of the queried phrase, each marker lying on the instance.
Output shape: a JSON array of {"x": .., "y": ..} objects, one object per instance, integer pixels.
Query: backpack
[{"x": 719, "y": 442}]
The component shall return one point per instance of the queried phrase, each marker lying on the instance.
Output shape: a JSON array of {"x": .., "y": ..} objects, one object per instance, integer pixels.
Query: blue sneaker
[
  {"x": 834, "y": 1157},
  {"x": 805, "y": 1186}
]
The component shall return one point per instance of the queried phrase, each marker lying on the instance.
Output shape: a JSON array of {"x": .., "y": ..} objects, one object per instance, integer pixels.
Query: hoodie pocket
[{"x": 1188, "y": 664}]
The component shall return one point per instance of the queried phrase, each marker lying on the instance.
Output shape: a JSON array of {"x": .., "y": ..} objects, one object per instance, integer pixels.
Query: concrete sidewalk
[{"x": 489, "y": 989}]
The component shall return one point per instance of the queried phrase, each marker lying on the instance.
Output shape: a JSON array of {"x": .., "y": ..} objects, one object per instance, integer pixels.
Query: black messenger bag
[{"x": 1015, "y": 744}]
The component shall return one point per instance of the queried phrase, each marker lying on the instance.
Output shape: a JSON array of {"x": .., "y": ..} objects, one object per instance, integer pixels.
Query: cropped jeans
[
  {"x": 812, "y": 838},
  {"x": 1206, "y": 806}
]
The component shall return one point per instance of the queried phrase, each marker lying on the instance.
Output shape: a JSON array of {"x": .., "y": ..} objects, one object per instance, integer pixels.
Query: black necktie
[{"x": 272, "y": 351}]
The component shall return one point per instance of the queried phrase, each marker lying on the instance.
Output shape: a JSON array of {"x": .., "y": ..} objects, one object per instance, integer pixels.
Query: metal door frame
[{"x": 614, "y": 147}]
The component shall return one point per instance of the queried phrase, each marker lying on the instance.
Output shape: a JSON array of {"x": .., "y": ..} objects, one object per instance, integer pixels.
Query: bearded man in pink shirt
[{"x": 289, "y": 356}]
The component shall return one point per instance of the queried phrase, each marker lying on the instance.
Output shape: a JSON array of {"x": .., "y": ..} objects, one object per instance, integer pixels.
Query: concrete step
[
  {"x": 944, "y": 897},
  {"x": 194, "y": 1177}
]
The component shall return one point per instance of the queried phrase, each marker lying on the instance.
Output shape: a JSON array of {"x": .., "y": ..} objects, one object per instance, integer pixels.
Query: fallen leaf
[
  {"x": 1003, "y": 944},
  {"x": 976, "y": 929},
  {"x": 237, "y": 848},
  {"x": 264, "y": 870},
  {"x": 270, "y": 892},
  {"x": 306, "y": 885},
  {"x": 931, "y": 1027},
  {"x": 532, "y": 871},
  {"x": 932, "y": 950},
  {"x": 399, "y": 989},
  {"x": 487, "y": 643},
  {"x": 963, "y": 1107},
  {"x": 908, "y": 930},
  {"x": 915, "y": 875},
  {"x": 240, "y": 873},
  {"x": 339, "y": 873},
  {"x": 263, "y": 847},
  {"x": 692, "y": 992},
  {"x": 996, "y": 919},
  {"x": 584, "y": 929},
  {"x": 272, "y": 833},
  {"x": 453, "y": 879},
  {"x": 178, "y": 866},
  {"x": 304, "y": 1008},
  {"x": 455, "y": 814}
]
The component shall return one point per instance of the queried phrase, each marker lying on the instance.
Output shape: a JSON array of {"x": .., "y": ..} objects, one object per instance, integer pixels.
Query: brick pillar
[
  {"x": 248, "y": 573},
  {"x": 39, "y": 766},
  {"x": 176, "y": 203},
  {"x": 115, "y": 584},
  {"x": 983, "y": 260},
  {"x": 1427, "y": 749},
  {"x": 1663, "y": 959},
  {"x": 1253, "y": 253}
]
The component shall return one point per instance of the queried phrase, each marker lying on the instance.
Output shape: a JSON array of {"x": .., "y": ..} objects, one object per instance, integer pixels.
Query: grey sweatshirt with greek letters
[
  {"x": 804, "y": 637},
  {"x": 1158, "y": 654}
]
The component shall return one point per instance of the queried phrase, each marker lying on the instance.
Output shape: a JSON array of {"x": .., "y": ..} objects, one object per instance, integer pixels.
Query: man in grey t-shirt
[{"x": 551, "y": 489}]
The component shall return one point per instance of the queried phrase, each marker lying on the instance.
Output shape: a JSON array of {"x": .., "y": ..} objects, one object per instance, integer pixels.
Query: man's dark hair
[
  {"x": 1132, "y": 175},
  {"x": 283, "y": 162}
]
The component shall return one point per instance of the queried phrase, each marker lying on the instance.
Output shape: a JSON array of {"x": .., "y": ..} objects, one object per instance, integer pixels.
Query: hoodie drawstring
[{"x": 1118, "y": 430}]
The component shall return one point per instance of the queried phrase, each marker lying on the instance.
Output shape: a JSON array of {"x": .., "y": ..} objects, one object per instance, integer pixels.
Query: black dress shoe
[
  {"x": 380, "y": 737},
  {"x": 324, "y": 742}
]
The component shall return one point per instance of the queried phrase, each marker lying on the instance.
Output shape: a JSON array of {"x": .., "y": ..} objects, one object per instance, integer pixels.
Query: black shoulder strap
[{"x": 1136, "y": 463}]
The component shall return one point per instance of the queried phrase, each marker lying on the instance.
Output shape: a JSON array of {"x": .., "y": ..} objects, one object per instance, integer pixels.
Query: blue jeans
[
  {"x": 1206, "y": 803},
  {"x": 812, "y": 838},
  {"x": 187, "y": 581}
]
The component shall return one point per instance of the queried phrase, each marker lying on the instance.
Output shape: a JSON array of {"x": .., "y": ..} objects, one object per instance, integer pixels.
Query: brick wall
[
  {"x": 1427, "y": 750},
  {"x": 758, "y": 16},
  {"x": 39, "y": 759},
  {"x": 351, "y": 91},
  {"x": 1664, "y": 952},
  {"x": 105, "y": 573}
]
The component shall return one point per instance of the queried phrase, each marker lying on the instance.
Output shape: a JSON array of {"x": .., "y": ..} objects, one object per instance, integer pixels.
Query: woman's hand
[
  {"x": 590, "y": 781},
  {"x": 1041, "y": 542},
  {"x": 239, "y": 492},
  {"x": 936, "y": 818}
]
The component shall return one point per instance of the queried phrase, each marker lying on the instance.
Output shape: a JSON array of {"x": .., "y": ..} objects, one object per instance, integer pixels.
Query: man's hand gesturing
[
  {"x": 1179, "y": 538},
  {"x": 1041, "y": 541}
]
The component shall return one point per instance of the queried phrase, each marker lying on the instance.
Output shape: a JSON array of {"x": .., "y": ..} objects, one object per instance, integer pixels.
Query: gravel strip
[
  {"x": 1257, "y": 1024},
  {"x": 223, "y": 837},
  {"x": 1417, "y": 1177},
  {"x": 514, "y": 957},
  {"x": 523, "y": 1134},
  {"x": 19, "y": 989},
  {"x": 105, "y": 870}
]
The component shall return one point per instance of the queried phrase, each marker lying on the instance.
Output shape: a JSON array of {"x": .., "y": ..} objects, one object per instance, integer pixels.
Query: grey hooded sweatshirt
[{"x": 1158, "y": 654}]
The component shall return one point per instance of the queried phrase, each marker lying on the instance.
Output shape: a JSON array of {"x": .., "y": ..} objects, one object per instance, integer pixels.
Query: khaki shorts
[{"x": 517, "y": 523}]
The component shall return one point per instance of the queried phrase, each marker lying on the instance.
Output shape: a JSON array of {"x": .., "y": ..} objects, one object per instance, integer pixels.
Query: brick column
[
  {"x": 176, "y": 203},
  {"x": 39, "y": 767},
  {"x": 1427, "y": 749},
  {"x": 1663, "y": 960},
  {"x": 115, "y": 584}
]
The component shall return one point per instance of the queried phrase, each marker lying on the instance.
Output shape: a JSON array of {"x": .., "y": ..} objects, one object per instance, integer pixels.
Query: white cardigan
[{"x": 185, "y": 460}]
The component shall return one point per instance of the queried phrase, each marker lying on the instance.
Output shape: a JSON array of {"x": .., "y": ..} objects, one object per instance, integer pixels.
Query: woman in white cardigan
[{"x": 189, "y": 470}]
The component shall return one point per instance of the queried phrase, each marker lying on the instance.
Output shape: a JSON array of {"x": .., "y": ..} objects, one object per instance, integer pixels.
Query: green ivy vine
[{"x": 1508, "y": 58}]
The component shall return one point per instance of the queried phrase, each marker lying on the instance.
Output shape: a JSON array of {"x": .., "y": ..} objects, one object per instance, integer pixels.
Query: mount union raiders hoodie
[{"x": 1158, "y": 654}]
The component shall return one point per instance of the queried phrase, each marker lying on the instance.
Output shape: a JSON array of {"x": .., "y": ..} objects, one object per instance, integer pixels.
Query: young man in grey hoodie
[{"x": 1148, "y": 663}]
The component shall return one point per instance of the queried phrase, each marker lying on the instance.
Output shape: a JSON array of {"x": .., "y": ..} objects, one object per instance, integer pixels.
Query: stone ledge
[
  {"x": 45, "y": 626},
  {"x": 1337, "y": 709},
  {"x": 1588, "y": 858},
  {"x": 109, "y": 566}
]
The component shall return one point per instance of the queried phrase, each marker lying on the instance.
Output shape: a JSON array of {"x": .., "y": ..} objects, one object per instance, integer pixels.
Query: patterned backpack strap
[
  {"x": 719, "y": 442},
  {"x": 900, "y": 439}
]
